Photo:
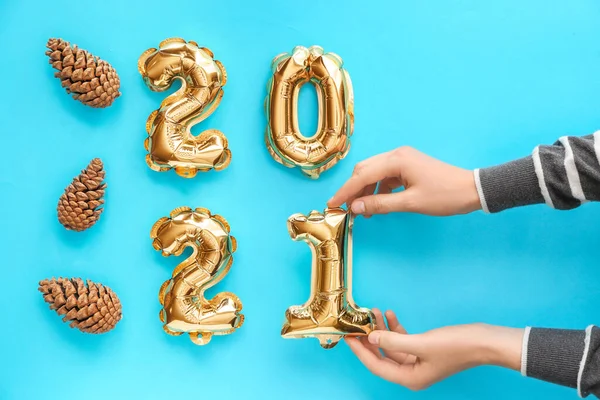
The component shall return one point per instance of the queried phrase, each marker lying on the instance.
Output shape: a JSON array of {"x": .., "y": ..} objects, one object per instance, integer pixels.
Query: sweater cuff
[
  {"x": 553, "y": 355},
  {"x": 508, "y": 185}
]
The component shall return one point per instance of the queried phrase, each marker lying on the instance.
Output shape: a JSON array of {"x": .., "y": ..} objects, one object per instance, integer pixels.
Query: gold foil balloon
[
  {"x": 185, "y": 309},
  {"x": 284, "y": 140},
  {"x": 170, "y": 143},
  {"x": 330, "y": 312}
]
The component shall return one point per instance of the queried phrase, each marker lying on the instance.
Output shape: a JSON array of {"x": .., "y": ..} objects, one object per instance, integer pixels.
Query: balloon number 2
[
  {"x": 170, "y": 143},
  {"x": 185, "y": 309}
]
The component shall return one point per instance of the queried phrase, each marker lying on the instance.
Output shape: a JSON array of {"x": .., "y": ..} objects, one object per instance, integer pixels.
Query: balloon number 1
[
  {"x": 170, "y": 143},
  {"x": 185, "y": 309},
  {"x": 330, "y": 312}
]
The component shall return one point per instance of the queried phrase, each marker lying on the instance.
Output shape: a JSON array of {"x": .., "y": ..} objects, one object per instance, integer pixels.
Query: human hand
[
  {"x": 431, "y": 187},
  {"x": 419, "y": 360}
]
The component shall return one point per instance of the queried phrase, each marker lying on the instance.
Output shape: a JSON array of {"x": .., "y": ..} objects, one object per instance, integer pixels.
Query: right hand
[
  {"x": 418, "y": 361},
  {"x": 431, "y": 187}
]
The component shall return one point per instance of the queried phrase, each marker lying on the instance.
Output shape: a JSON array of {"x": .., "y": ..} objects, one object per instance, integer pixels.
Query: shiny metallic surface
[
  {"x": 330, "y": 312},
  {"x": 185, "y": 309},
  {"x": 283, "y": 138},
  {"x": 170, "y": 143}
]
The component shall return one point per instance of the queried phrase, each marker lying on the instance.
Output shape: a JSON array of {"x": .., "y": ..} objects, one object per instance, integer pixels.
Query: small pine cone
[
  {"x": 79, "y": 207},
  {"x": 91, "y": 307},
  {"x": 92, "y": 81}
]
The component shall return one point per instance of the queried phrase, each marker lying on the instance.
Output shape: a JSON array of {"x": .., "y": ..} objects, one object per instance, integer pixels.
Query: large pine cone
[
  {"x": 79, "y": 206},
  {"x": 91, "y": 308},
  {"x": 91, "y": 80}
]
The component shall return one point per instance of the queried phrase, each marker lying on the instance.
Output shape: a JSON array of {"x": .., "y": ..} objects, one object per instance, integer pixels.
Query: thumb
[
  {"x": 380, "y": 203},
  {"x": 394, "y": 341}
]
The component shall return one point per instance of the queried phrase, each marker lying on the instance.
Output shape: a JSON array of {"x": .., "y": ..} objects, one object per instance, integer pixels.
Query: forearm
[
  {"x": 565, "y": 357},
  {"x": 563, "y": 175}
]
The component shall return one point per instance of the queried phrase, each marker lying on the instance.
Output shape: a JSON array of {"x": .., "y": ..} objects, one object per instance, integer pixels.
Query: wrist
[
  {"x": 471, "y": 197},
  {"x": 500, "y": 346},
  {"x": 495, "y": 345}
]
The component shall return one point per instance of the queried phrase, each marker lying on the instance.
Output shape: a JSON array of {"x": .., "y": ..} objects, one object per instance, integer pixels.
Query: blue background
[{"x": 473, "y": 83}]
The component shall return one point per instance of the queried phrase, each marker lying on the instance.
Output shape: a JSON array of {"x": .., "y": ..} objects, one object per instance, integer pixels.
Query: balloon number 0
[
  {"x": 283, "y": 138},
  {"x": 185, "y": 309},
  {"x": 170, "y": 143}
]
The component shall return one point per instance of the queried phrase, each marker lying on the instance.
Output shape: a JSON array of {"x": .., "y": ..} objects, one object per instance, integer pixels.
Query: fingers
[
  {"x": 361, "y": 350},
  {"x": 379, "y": 324},
  {"x": 370, "y": 189},
  {"x": 393, "y": 341},
  {"x": 393, "y": 324},
  {"x": 371, "y": 347},
  {"x": 381, "y": 203},
  {"x": 398, "y": 356},
  {"x": 365, "y": 173},
  {"x": 388, "y": 184},
  {"x": 367, "y": 191},
  {"x": 364, "y": 355},
  {"x": 384, "y": 187},
  {"x": 382, "y": 367},
  {"x": 379, "y": 321}
]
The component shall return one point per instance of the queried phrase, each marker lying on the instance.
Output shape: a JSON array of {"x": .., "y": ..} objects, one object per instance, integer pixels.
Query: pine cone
[
  {"x": 91, "y": 80},
  {"x": 91, "y": 308},
  {"x": 79, "y": 207}
]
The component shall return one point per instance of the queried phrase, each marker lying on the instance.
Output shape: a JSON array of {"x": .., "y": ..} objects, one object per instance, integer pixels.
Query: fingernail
[
  {"x": 374, "y": 337},
  {"x": 358, "y": 207}
]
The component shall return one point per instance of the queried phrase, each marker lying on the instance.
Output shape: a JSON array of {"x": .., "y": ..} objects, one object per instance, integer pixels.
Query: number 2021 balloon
[
  {"x": 185, "y": 309},
  {"x": 170, "y": 143},
  {"x": 330, "y": 312},
  {"x": 284, "y": 140}
]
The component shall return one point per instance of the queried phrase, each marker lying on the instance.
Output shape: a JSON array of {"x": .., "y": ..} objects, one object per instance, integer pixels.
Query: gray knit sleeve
[
  {"x": 563, "y": 175},
  {"x": 565, "y": 357}
]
